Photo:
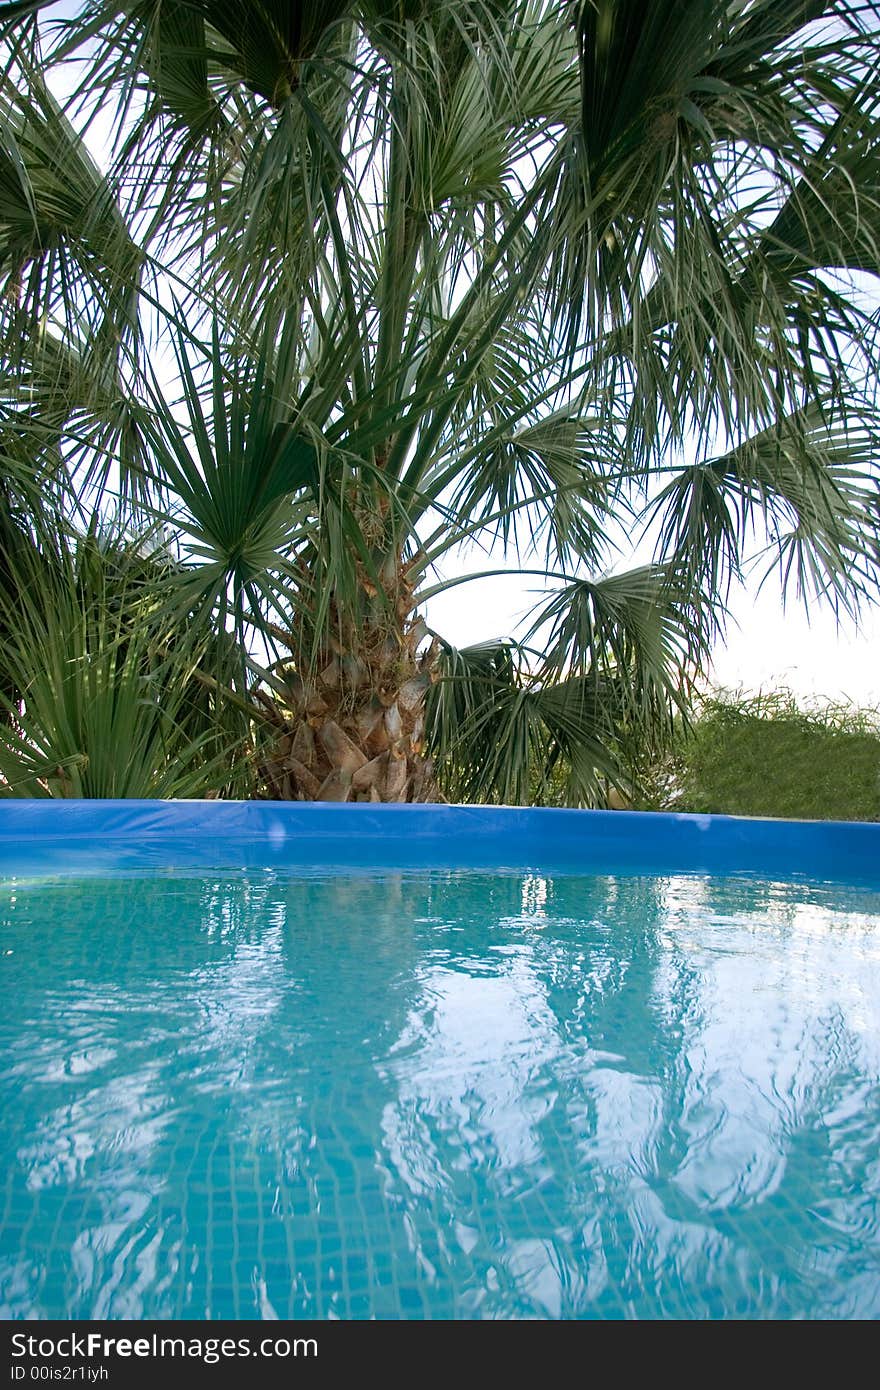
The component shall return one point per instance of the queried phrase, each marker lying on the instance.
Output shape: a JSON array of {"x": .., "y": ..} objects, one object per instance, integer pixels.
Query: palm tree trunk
[{"x": 353, "y": 727}]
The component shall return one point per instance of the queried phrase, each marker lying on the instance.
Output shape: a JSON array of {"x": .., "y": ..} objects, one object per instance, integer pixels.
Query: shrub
[{"x": 768, "y": 755}]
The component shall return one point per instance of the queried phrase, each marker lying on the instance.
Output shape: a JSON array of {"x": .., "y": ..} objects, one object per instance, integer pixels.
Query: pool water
[{"x": 438, "y": 1095}]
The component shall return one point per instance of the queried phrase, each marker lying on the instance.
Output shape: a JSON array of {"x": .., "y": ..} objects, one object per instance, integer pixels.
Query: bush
[{"x": 766, "y": 755}]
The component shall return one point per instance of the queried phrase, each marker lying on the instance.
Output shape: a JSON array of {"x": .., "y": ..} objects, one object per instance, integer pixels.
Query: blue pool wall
[{"x": 88, "y": 837}]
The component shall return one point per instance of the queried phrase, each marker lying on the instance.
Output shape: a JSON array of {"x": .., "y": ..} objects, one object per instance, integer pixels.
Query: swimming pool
[{"x": 259, "y": 1076}]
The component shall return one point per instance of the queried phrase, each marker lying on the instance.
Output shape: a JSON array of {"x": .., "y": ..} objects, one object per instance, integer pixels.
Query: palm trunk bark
[{"x": 353, "y": 729}]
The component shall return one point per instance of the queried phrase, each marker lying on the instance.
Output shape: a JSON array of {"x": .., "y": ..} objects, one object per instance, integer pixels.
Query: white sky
[
  {"x": 767, "y": 646},
  {"x": 776, "y": 647}
]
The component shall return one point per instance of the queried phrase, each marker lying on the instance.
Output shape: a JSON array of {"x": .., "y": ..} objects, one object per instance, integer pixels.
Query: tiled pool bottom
[{"x": 438, "y": 1095}]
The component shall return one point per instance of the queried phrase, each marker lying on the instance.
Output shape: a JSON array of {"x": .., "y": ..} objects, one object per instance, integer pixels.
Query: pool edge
[{"x": 84, "y": 837}]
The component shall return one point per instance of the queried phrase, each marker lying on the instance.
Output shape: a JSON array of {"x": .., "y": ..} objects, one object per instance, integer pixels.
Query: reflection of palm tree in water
[
  {"x": 453, "y": 1093},
  {"x": 195, "y": 1023},
  {"x": 494, "y": 1102},
  {"x": 598, "y": 1167},
  {"x": 371, "y": 952},
  {"x": 296, "y": 1128},
  {"x": 721, "y": 1191}
]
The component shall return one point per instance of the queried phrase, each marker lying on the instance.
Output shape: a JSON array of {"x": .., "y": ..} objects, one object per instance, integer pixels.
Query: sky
[
  {"x": 773, "y": 647},
  {"x": 768, "y": 645}
]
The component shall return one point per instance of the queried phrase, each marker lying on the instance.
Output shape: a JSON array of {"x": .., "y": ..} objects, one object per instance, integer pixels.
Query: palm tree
[{"x": 364, "y": 283}]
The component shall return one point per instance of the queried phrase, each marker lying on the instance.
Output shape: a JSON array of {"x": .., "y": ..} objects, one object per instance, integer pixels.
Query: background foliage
[
  {"x": 768, "y": 755},
  {"x": 765, "y": 754}
]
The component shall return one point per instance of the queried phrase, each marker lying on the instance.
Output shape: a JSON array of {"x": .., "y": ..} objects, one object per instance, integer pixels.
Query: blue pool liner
[{"x": 101, "y": 837}]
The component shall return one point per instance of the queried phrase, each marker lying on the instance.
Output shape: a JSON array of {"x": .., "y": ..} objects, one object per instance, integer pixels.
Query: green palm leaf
[
  {"x": 65, "y": 249},
  {"x": 808, "y": 482},
  {"x": 95, "y": 703}
]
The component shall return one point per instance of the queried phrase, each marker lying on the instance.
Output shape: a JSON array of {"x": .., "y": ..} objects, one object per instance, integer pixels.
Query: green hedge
[{"x": 767, "y": 756}]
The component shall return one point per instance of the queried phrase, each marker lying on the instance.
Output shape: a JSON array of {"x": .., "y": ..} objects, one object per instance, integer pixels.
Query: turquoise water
[{"x": 438, "y": 1095}]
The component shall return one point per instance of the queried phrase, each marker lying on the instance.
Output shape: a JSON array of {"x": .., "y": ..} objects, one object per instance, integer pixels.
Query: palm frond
[
  {"x": 807, "y": 483},
  {"x": 66, "y": 252},
  {"x": 549, "y": 476},
  {"x": 498, "y": 734},
  {"x": 691, "y": 205},
  {"x": 233, "y": 473},
  {"x": 95, "y": 703},
  {"x": 643, "y": 621}
]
